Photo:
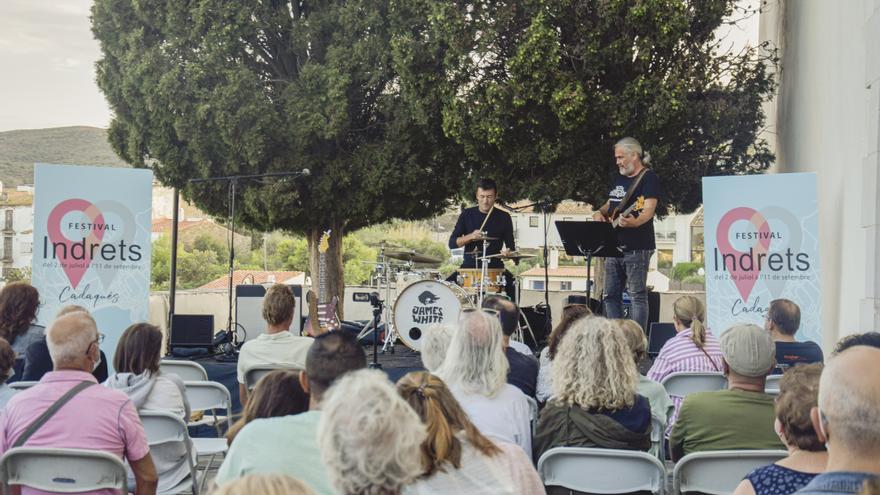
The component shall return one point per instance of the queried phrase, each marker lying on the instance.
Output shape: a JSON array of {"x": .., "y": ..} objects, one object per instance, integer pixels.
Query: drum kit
[{"x": 420, "y": 298}]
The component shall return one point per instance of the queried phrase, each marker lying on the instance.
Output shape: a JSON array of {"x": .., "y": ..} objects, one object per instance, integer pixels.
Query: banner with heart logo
[
  {"x": 92, "y": 244},
  {"x": 761, "y": 243}
]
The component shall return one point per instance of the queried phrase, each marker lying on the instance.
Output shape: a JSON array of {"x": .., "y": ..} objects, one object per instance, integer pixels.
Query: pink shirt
[{"x": 98, "y": 418}]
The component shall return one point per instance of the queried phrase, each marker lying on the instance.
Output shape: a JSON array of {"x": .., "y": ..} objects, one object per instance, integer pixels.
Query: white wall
[{"x": 826, "y": 121}]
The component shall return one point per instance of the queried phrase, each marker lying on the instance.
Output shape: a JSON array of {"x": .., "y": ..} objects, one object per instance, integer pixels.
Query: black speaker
[{"x": 540, "y": 321}]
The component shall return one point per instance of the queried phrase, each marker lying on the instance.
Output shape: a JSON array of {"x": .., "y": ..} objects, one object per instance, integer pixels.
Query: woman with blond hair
[
  {"x": 570, "y": 314},
  {"x": 456, "y": 457},
  {"x": 693, "y": 348},
  {"x": 594, "y": 403},
  {"x": 264, "y": 484}
]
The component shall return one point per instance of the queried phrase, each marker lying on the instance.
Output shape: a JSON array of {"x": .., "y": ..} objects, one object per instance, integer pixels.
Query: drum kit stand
[{"x": 423, "y": 299}]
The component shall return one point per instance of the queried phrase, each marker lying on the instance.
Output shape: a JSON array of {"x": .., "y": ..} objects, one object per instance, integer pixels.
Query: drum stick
[{"x": 487, "y": 217}]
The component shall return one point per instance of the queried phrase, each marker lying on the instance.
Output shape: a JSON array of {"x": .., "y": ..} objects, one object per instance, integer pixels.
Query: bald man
[
  {"x": 95, "y": 418},
  {"x": 848, "y": 421}
]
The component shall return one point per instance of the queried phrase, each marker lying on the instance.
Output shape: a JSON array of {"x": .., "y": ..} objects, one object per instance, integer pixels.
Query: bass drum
[{"x": 425, "y": 303}]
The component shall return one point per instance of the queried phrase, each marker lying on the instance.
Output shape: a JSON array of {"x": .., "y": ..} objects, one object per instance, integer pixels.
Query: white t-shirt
[
  {"x": 279, "y": 349},
  {"x": 504, "y": 417},
  {"x": 478, "y": 475},
  {"x": 520, "y": 347},
  {"x": 545, "y": 377}
]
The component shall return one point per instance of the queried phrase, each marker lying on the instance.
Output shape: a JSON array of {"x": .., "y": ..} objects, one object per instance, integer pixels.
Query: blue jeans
[{"x": 632, "y": 271}]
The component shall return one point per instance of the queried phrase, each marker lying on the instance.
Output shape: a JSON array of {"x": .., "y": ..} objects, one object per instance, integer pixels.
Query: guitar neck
[{"x": 322, "y": 279}]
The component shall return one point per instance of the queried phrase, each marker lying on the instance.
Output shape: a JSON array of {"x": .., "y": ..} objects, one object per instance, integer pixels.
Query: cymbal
[
  {"x": 512, "y": 255},
  {"x": 413, "y": 256}
]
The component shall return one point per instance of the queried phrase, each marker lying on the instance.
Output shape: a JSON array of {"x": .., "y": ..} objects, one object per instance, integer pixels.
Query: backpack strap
[{"x": 48, "y": 413}]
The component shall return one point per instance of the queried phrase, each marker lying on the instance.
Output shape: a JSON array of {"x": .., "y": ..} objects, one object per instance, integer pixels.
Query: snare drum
[
  {"x": 469, "y": 278},
  {"x": 426, "y": 303}
]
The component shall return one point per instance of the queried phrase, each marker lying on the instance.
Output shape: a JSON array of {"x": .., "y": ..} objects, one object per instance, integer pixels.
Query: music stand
[{"x": 588, "y": 239}]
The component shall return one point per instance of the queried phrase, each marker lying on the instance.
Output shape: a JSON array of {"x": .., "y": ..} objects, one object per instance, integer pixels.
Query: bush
[
  {"x": 694, "y": 280},
  {"x": 683, "y": 270}
]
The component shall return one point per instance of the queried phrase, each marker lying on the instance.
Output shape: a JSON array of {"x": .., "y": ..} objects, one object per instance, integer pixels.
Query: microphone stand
[{"x": 229, "y": 350}]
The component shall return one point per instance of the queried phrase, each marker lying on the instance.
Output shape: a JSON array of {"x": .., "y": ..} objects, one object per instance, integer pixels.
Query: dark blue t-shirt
[
  {"x": 641, "y": 237},
  {"x": 636, "y": 418},
  {"x": 789, "y": 354},
  {"x": 499, "y": 225},
  {"x": 523, "y": 372}
]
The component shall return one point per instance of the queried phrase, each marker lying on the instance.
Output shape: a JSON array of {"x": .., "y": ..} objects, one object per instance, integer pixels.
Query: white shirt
[
  {"x": 281, "y": 349},
  {"x": 504, "y": 417},
  {"x": 520, "y": 347},
  {"x": 478, "y": 475}
]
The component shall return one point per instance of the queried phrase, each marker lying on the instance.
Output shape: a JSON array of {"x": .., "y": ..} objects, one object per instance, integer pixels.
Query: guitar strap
[{"x": 632, "y": 189}]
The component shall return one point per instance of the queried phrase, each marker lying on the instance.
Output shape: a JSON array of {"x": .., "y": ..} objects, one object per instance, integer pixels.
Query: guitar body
[
  {"x": 637, "y": 206},
  {"x": 322, "y": 312}
]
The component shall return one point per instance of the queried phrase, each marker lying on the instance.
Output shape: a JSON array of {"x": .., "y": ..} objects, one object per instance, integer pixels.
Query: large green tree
[
  {"x": 216, "y": 88},
  {"x": 538, "y": 91}
]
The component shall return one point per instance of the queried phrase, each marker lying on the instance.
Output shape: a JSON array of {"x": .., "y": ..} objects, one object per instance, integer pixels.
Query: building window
[
  {"x": 566, "y": 285},
  {"x": 8, "y": 220},
  {"x": 533, "y": 222},
  {"x": 537, "y": 285},
  {"x": 27, "y": 247},
  {"x": 7, "y": 247}
]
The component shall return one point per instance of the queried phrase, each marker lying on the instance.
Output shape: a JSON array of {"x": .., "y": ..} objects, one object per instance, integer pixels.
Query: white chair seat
[{"x": 209, "y": 446}]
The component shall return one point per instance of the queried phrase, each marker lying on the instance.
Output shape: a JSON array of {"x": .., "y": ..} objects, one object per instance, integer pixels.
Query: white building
[
  {"x": 18, "y": 228},
  {"x": 528, "y": 224}
]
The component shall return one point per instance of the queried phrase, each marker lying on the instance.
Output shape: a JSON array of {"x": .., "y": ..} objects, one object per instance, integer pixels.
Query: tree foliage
[{"x": 538, "y": 91}]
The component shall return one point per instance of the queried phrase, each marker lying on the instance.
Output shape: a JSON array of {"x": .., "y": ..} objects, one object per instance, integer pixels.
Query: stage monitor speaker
[{"x": 249, "y": 311}]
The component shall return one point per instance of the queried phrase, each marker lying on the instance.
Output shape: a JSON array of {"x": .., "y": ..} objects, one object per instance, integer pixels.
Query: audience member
[
  {"x": 523, "y": 372},
  {"x": 277, "y": 394},
  {"x": 93, "y": 417},
  {"x": 435, "y": 343},
  {"x": 264, "y": 484},
  {"x": 871, "y": 339},
  {"x": 137, "y": 375},
  {"x": 369, "y": 438},
  {"x": 661, "y": 404},
  {"x": 847, "y": 420},
  {"x": 807, "y": 457},
  {"x": 693, "y": 348},
  {"x": 570, "y": 314},
  {"x": 782, "y": 321},
  {"x": 475, "y": 370},
  {"x": 38, "y": 362},
  {"x": 456, "y": 458},
  {"x": 740, "y": 417},
  {"x": 19, "y": 302},
  {"x": 594, "y": 402},
  {"x": 288, "y": 444},
  {"x": 7, "y": 362},
  {"x": 278, "y": 346}
]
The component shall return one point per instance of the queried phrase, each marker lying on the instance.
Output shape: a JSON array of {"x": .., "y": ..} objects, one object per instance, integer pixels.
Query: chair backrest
[
  {"x": 22, "y": 385},
  {"x": 186, "y": 370},
  {"x": 683, "y": 383},
  {"x": 771, "y": 386},
  {"x": 164, "y": 427},
  {"x": 207, "y": 395},
  {"x": 63, "y": 470},
  {"x": 719, "y": 472},
  {"x": 602, "y": 470},
  {"x": 253, "y": 374}
]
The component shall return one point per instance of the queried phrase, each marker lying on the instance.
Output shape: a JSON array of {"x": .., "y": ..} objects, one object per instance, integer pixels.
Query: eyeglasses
[{"x": 99, "y": 339}]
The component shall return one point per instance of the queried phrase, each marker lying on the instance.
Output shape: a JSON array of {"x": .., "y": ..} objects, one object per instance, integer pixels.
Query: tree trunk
[{"x": 332, "y": 264}]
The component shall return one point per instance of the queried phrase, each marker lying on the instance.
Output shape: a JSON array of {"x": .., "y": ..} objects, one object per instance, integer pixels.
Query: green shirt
[
  {"x": 287, "y": 444},
  {"x": 725, "y": 420}
]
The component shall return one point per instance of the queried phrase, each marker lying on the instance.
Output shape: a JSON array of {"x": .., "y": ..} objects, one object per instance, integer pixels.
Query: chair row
[
  {"x": 683, "y": 383},
  {"x": 611, "y": 471}
]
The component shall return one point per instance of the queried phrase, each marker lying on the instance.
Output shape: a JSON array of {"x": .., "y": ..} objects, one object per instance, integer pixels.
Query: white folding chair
[
  {"x": 253, "y": 374},
  {"x": 62, "y": 470},
  {"x": 683, "y": 383},
  {"x": 188, "y": 371},
  {"x": 162, "y": 428},
  {"x": 533, "y": 413},
  {"x": 771, "y": 386},
  {"x": 719, "y": 472},
  {"x": 203, "y": 396},
  {"x": 23, "y": 385},
  {"x": 604, "y": 471}
]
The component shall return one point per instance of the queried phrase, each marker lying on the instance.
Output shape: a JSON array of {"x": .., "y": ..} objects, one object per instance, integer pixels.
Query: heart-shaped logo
[
  {"x": 732, "y": 259},
  {"x": 75, "y": 255}
]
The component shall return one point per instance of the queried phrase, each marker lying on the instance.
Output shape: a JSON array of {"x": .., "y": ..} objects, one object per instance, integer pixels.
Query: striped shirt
[{"x": 681, "y": 354}]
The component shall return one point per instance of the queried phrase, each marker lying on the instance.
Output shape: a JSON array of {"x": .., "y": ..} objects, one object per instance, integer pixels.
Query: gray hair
[
  {"x": 475, "y": 362},
  {"x": 850, "y": 403},
  {"x": 67, "y": 345},
  {"x": 435, "y": 344},
  {"x": 631, "y": 145},
  {"x": 369, "y": 437}
]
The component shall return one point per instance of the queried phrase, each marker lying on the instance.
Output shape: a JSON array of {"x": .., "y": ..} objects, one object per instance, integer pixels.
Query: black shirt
[
  {"x": 523, "y": 372},
  {"x": 499, "y": 225},
  {"x": 38, "y": 362},
  {"x": 791, "y": 353},
  {"x": 641, "y": 237}
]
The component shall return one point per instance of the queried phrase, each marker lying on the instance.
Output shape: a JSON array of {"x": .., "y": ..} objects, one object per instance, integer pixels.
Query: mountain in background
[{"x": 79, "y": 145}]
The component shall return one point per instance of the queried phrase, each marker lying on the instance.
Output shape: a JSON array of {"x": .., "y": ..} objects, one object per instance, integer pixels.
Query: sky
[{"x": 48, "y": 57}]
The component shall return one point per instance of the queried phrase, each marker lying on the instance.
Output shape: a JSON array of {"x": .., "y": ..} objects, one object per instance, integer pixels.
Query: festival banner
[
  {"x": 92, "y": 244},
  {"x": 762, "y": 243}
]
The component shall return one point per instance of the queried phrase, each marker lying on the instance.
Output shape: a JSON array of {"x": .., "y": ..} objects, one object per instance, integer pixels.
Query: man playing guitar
[{"x": 635, "y": 184}]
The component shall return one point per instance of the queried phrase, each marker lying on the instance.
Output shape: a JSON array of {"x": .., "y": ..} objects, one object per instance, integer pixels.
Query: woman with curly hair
[
  {"x": 570, "y": 314},
  {"x": 19, "y": 302},
  {"x": 456, "y": 457},
  {"x": 594, "y": 403}
]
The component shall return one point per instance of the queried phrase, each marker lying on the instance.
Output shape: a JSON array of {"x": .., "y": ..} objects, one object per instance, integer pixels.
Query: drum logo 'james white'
[{"x": 422, "y": 315}]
